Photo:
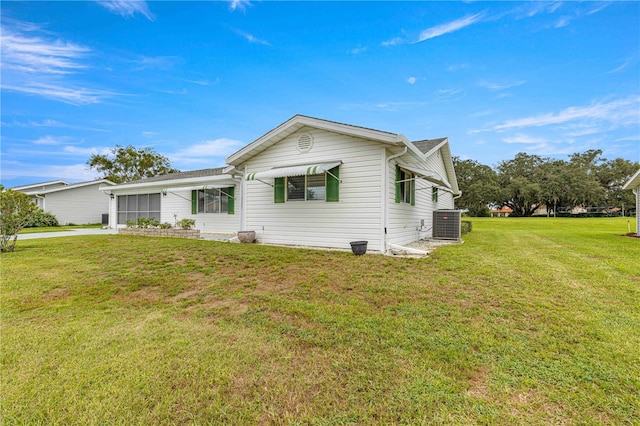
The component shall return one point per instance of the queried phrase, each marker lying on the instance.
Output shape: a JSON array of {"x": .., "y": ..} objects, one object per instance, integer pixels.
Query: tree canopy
[
  {"x": 527, "y": 182},
  {"x": 126, "y": 164}
]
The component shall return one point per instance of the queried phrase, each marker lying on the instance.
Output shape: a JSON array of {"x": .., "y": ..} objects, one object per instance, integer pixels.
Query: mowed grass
[{"x": 530, "y": 321}]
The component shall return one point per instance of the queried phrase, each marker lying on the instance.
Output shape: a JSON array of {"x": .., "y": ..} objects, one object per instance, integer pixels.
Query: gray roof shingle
[
  {"x": 427, "y": 145},
  {"x": 181, "y": 175}
]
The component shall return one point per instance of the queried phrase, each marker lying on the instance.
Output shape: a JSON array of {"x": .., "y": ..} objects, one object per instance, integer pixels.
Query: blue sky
[{"x": 196, "y": 81}]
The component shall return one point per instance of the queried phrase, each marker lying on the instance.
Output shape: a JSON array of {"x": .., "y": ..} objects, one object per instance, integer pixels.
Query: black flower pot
[{"x": 359, "y": 247}]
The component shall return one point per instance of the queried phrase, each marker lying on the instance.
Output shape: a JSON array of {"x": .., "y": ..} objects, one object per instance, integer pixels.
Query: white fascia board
[
  {"x": 74, "y": 186},
  {"x": 168, "y": 184},
  {"x": 634, "y": 182}
]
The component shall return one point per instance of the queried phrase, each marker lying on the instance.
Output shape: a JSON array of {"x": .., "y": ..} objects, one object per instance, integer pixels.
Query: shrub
[
  {"x": 465, "y": 226},
  {"x": 41, "y": 219},
  {"x": 130, "y": 223},
  {"x": 148, "y": 222},
  {"x": 186, "y": 223},
  {"x": 165, "y": 225}
]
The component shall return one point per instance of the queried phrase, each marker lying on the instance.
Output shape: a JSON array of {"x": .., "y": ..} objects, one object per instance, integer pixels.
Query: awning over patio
[
  {"x": 429, "y": 175},
  {"x": 305, "y": 169}
]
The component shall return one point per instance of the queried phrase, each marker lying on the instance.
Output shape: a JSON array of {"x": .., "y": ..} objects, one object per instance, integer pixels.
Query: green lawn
[
  {"x": 57, "y": 228},
  {"x": 530, "y": 321}
]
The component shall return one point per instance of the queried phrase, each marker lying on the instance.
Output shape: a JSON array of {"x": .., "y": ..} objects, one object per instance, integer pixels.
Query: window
[
  {"x": 434, "y": 194},
  {"x": 405, "y": 186},
  {"x": 212, "y": 200},
  {"x": 133, "y": 207},
  {"x": 320, "y": 187}
]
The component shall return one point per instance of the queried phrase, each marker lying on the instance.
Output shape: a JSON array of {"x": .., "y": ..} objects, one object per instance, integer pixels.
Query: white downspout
[{"x": 385, "y": 198}]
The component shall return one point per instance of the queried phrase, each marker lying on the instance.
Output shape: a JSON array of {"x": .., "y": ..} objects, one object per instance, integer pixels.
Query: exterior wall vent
[
  {"x": 305, "y": 142},
  {"x": 446, "y": 224}
]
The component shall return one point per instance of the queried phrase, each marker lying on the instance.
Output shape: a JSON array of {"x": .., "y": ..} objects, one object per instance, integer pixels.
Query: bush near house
[{"x": 41, "y": 219}]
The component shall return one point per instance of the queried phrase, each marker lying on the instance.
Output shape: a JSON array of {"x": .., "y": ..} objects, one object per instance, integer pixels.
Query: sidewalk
[{"x": 75, "y": 232}]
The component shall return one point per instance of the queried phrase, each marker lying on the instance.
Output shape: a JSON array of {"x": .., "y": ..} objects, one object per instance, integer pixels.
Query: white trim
[
  {"x": 634, "y": 182},
  {"x": 429, "y": 175}
]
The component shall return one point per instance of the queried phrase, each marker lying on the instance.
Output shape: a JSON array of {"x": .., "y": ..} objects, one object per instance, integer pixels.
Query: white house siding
[
  {"x": 79, "y": 206},
  {"x": 177, "y": 205},
  {"x": 409, "y": 223},
  {"x": 357, "y": 216}
]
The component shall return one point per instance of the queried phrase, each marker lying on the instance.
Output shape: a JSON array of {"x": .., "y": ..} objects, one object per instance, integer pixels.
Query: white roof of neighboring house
[
  {"x": 420, "y": 149},
  {"x": 66, "y": 187},
  {"x": 634, "y": 182},
  {"x": 34, "y": 186}
]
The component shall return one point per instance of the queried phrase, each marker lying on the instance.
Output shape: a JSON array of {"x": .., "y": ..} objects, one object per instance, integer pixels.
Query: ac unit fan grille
[{"x": 446, "y": 224}]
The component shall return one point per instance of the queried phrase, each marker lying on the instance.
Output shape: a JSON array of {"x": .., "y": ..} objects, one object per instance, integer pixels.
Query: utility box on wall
[{"x": 446, "y": 224}]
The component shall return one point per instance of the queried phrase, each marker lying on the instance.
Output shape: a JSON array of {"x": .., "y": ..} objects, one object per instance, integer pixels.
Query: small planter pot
[
  {"x": 359, "y": 247},
  {"x": 247, "y": 236}
]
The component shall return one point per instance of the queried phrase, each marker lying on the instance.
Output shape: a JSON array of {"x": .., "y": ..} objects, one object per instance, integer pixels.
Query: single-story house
[
  {"x": 308, "y": 182},
  {"x": 208, "y": 196},
  {"x": 634, "y": 185},
  {"x": 78, "y": 203},
  {"x": 503, "y": 211}
]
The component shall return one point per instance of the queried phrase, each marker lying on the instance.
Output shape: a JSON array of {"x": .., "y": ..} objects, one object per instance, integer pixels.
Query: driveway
[{"x": 74, "y": 232}]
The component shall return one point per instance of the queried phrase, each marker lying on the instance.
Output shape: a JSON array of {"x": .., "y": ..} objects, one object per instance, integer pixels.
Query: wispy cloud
[
  {"x": 621, "y": 67},
  {"x": 394, "y": 41},
  {"x": 503, "y": 85},
  {"x": 598, "y": 8},
  {"x": 204, "y": 152},
  {"x": 52, "y": 140},
  {"x": 59, "y": 92},
  {"x": 239, "y": 5},
  {"x": 357, "y": 50},
  {"x": 382, "y": 106},
  {"x": 449, "y": 27},
  {"x": 525, "y": 139},
  {"x": 148, "y": 134},
  {"x": 32, "y": 54},
  {"x": 251, "y": 39},
  {"x": 70, "y": 173},
  {"x": 37, "y": 63},
  {"x": 155, "y": 62},
  {"x": 128, "y": 8},
  {"x": 49, "y": 123},
  {"x": 621, "y": 112},
  {"x": 411, "y": 80}
]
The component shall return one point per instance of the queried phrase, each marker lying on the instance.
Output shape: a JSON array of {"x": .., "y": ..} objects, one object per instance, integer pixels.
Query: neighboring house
[
  {"x": 208, "y": 196},
  {"x": 78, "y": 203},
  {"x": 634, "y": 185},
  {"x": 501, "y": 212},
  {"x": 314, "y": 182}
]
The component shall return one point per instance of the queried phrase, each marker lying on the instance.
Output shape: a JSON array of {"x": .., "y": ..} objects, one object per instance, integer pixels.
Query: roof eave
[
  {"x": 634, "y": 182},
  {"x": 170, "y": 182}
]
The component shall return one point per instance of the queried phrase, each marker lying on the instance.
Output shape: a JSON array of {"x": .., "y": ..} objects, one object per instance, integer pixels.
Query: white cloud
[
  {"x": 357, "y": 50},
  {"x": 155, "y": 62},
  {"x": 449, "y": 27},
  {"x": 67, "y": 94},
  {"x": 251, "y": 39},
  {"x": 70, "y": 173},
  {"x": 148, "y": 134},
  {"x": 411, "y": 80},
  {"x": 35, "y": 55},
  {"x": 501, "y": 85},
  {"x": 239, "y": 4},
  {"x": 394, "y": 41},
  {"x": 51, "y": 140},
  {"x": 85, "y": 152},
  {"x": 42, "y": 65},
  {"x": 128, "y": 8},
  {"x": 621, "y": 112},
  {"x": 525, "y": 139},
  {"x": 203, "y": 152}
]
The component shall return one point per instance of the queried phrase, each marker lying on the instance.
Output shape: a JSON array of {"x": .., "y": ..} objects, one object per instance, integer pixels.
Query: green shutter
[
  {"x": 194, "y": 201},
  {"x": 434, "y": 194},
  {"x": 230, "y": 203},
  {"x": 412, "y": 188},
  {"x": 333, "y": 184},
  {"x": 278, "y": 190},
  {"x": 398, "y": 179}
]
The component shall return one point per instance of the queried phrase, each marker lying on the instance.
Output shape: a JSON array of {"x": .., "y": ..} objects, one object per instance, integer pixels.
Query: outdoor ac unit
[{"x": 446, "y": 224}]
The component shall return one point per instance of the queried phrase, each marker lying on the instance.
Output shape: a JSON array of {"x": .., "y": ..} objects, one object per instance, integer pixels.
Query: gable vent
[{"x": 305, "y": 142}]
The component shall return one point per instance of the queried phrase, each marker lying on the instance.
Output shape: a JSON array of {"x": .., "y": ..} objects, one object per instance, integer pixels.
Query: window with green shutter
[
  {"x": 315, "y": 187},
  {"x": 434, "y": 194},
  {"x": 215, "y": 200},
  {"x": 333, "y": 184},
  {"x": 278, "y": 190},
  {"x": 405, "y": 186}
]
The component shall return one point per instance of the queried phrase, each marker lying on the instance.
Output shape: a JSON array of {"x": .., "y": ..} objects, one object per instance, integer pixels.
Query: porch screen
[{"x": 133, "y": 207}]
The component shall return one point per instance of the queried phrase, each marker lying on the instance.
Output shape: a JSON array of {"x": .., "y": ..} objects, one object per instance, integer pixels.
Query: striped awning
[
  {"x": 305, "y": 169},
  {"x": 431, "y": 176}
]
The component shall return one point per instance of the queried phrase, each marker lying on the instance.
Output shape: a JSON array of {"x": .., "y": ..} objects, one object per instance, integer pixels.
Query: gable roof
[
  {"x": 427, "y": 145},
  {"x": 634, "y": 181},
  {"x": 68, "y": 187},
  {"x": 35, "y": 186},
  {"x": 297, "y": 122}
]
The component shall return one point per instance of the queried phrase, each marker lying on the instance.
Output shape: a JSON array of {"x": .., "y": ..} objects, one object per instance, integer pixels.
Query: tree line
[{"x": 528, "y": 182}]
